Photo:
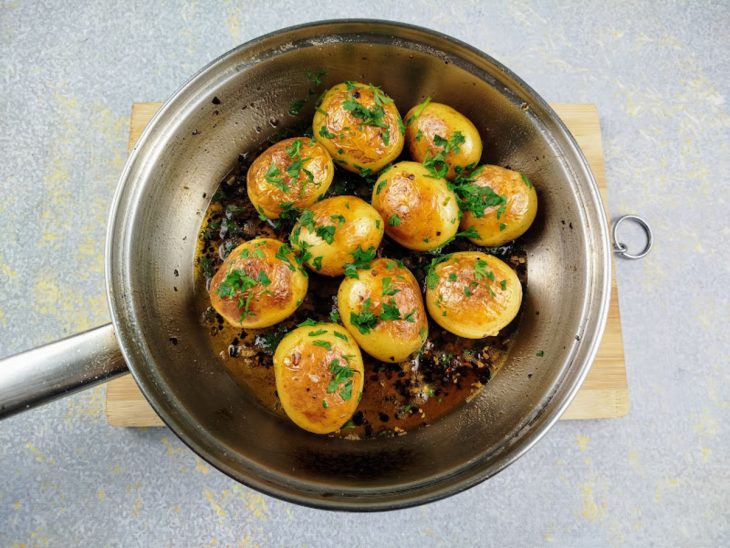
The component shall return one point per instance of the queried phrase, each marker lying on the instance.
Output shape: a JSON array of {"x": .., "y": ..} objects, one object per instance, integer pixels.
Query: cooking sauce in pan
[{"x": 397, "y": 398}]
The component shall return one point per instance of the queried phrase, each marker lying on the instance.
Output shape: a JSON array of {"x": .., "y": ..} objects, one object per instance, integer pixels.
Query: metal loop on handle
[{"x": 621, "y": 249}]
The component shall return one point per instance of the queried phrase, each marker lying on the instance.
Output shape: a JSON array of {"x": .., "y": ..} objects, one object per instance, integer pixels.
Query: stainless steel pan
[{"x": 233, "y": 105}]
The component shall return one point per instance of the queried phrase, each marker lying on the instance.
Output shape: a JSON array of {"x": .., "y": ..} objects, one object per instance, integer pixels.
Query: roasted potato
[
  {"x": 499, "y": 204},
  {"x": 419, "y": 210},
  {"x": 360, "y": 126},
  {"x": 319, "y": 376},
  {"x": 472, "y": 294},
  {"x": 329, "y": 233},
  {"x": 383, "y": 310},
  {"x": 258, "y": 285},
  {"x": 442, "y": 138},
  {"x": 293, "y": 173}
]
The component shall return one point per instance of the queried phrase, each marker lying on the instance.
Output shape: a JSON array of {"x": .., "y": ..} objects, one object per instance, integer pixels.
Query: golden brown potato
[
  {"x": 330, "y": 233},
  {"x": 498, "y": 203},
  {"x": 360, "y": 127},
  {"x": 472, "y": 294},
  {"x": 319, "y": 376},
  {"x": 419, "y": 210},
  {"x": 258, "y": 285},
  {"x": 383, "y": 310},
  {"x": 442, "y": 138},
  {"x": 293, "y": 173}
]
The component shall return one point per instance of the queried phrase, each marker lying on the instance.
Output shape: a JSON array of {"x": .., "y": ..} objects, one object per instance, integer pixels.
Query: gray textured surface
[{"x": 659, "y": 75}]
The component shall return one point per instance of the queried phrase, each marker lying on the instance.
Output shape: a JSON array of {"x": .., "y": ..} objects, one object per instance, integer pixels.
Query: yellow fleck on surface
[
  {"x": 89, "y": 404},
  {"x": 255, "y": 503},
  {"x": 706, "y": 424},
  {"x": 137, "y": 506},
  {"x": 17, "y": 505},
  {"x": 663, "y": 486},
  {"x": 101, "y": 494},
  {"x": 582, "y": 441},
  {"x": 634, "y": 460},
  {"x": 172, "y": 451},
  {"x": 115, "y": 469},
  {"x": 200, "y": 466},
  {"x": 40, "y": 457},
  {"x": 591, "y": 511},
  {"x": 706, "y": 454},
  {"x": 549, "y": 536},
  {"x": 211, "y": 498}
]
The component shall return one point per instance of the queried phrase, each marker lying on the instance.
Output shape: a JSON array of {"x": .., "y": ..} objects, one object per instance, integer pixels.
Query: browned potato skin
[
  {"x": 427, "y": 209},
  {"x": 518, "y": 215},
  {"x": 362, "y": 228},
  {"x": 361, "y": 146},
  {"x": 267, "y": 198},
  {"x": 484, "y": 312},
  {"x": 270, "y": 304},
  {"x": 444, "y": 121},
  {"x": 392, "y": 340},
  {"x": 303, "y": 373}
]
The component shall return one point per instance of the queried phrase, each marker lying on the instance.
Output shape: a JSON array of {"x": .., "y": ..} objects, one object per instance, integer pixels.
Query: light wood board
[{"x": 604, "y": 393}]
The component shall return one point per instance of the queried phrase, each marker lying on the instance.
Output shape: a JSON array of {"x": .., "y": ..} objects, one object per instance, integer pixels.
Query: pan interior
[{"x": 240, "y": 101}]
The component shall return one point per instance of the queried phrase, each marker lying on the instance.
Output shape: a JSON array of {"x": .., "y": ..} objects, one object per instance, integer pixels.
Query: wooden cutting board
[{"x": 604, "y": 393}]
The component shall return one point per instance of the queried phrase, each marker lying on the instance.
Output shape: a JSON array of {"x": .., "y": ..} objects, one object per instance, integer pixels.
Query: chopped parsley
[
  {"x": 419, "y": 110},
  {"x": 365, "y": 320},
  {"x": 324, "y": 404},
  {"x": 437, "y": 164},
  {"x": 388, "y": 290},
  {"x": 335, "y": 316},
  {"x": 390, "y": 311},
  {"x": 340, "y": 335},
  {"x": 526, "y": 180},
  {"x": 341, "y": 380},
  {"x": 361, "y": 259},
  {"x": 296, "y": 106},
  {"x": 394, "y": 220},
  {"x": 323, "y": 344},
  {"x": 324, "y": 132},
  {"x": 540, "y": 353},
  {"x": 307, "y": 323},
  {"x": 502, "y": 226},
  {"x": 432, "y": 278},
  {"x": 294, "y": 149},
  {"x": 315, "y": 77},
  {"x": 238, "y": 284},
  {"x": 380, "y": 186},
  {"x": 273, "y": 176},
  {"x": 503, "y": 284},
  {"x": 374, "y": 116},
  {"x": 317, "y": 333},
  {"x": 288, "y": 211},
  {"x": 307, "y": 219},
  {"x": 470, "y": 232},
  {"x": 339, "y": 219},
  {"x": 475, "y": 198},
  {"x": 327, "y": 233},
  {"x": 283, "y": 255},
  {"x": 317, "y": 263}
]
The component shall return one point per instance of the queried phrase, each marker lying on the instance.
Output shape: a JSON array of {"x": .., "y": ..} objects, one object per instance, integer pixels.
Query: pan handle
[{"x": 58, "y": 369}]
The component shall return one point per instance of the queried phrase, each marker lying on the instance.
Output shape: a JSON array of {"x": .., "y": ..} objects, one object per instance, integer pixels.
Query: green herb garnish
[{"x": 365, "y": 320}]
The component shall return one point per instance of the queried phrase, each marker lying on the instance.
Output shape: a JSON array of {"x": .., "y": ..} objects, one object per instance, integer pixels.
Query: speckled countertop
[{"x": 659, "y": 73}]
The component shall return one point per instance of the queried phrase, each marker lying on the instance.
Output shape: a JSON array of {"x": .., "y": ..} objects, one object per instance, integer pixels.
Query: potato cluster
[{"x": 422, "y": 204}]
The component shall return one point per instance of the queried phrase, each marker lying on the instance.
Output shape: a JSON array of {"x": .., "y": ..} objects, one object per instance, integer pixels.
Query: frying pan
[{"x": 233, "y": 105}]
